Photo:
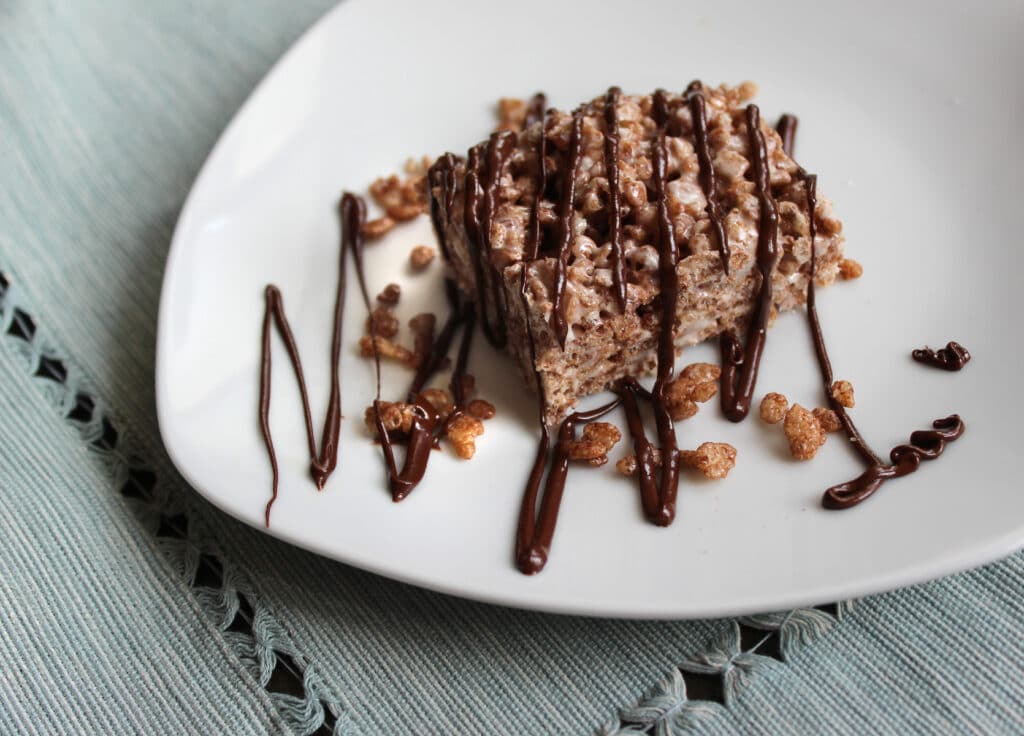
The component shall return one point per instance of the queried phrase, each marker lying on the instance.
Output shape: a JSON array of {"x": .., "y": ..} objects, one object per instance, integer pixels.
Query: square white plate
[{"x": 910, "y": 113}]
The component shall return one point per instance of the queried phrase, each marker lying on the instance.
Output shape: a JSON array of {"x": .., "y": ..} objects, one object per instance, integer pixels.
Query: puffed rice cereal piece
[
  {"x": 713, "y": 459},
  {"x": 774, "y": 407},
  {"x": 804, "y": 433}
]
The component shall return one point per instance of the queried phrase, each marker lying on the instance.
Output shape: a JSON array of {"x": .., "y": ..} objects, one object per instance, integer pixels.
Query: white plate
[{"x": 910, "y": 114}]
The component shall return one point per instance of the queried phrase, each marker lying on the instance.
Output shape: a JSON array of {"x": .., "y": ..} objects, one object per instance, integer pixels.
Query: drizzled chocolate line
[
  {"x": 708, "y": 180},
  {"x": 458, "y": 313},
  {"x": 924, "y": 445},
  {"x": 478, "y": 233},
  {"x": 611, "y": 166},
  {"x": 442, "y": 176},
  {"x": 565, "y": 212},
  {"x": 740, "y": 365},
  {"x": 824, "y": 363},
  {"x": 536, "y": 109},
  {"x": 322, "y": 463},
  {"x": 274, "y": 313},
  {"x": 536, "y": 528},
  {"x": 659, "y": 504},
  {"x": 400, "y": 482},
  {"x": 668, "y": 278},
  {"x": 905, "y": 459},
  {"x": 953, "y": 357},
  {"x": 786, "y": 129},
  {"x": 533, "y": 237}
]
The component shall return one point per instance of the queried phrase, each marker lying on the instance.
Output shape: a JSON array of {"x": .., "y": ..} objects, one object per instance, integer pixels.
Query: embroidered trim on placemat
[
  {"x": 260, "y": 642},
  {"x": 708, "y": 683}
]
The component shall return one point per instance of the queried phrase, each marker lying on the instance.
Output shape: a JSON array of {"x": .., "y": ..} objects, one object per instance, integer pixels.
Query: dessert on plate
[
  {"x": 577, "y": 204},
  {"x": 595, "y": 246}
]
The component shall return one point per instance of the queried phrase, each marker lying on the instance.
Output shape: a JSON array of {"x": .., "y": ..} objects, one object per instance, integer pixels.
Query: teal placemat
[{"x": 129, "y": 605}]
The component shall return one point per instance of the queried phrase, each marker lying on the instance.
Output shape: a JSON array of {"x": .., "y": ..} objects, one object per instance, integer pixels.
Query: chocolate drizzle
[
  {"x": 425, "y": 421},
  {"x": 668, "y": 278},
  {"x": 708, "y": 180},
  {"x": 904, "y": 459},
  {"x": 953, "y": 357},
  {"x": 611, "y": 167},
  {"x": 321, "y": 463},
  {"x": 566, "y": 209},
  {"x": 536, "y": 109},
  {"x": 786, "y": 129},
  {"x": 536, "y": 528},
  {"x": 478, "y": 229},
  {"x": 740, "y": 365}
]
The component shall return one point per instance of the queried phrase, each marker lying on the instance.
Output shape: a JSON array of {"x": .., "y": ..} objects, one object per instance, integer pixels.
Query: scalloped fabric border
[
  {"x": 260, "y": 642},
  {"x": 707, "y": 684}
]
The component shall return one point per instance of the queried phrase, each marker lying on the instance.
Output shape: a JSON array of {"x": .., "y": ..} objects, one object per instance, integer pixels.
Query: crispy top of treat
[{"x": 590, "y": 289}]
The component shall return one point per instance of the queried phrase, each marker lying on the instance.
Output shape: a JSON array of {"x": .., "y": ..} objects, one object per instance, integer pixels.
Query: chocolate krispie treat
[{"x": 555, "y": 229}]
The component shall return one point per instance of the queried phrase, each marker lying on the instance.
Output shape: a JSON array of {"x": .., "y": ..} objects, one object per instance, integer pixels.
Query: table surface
[{"x": 129, "y": 605}]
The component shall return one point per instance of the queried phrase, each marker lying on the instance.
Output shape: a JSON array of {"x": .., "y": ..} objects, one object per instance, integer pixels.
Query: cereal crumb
[
  {"x": 441, "y": 400},
  {"x": 421, "y": 256},
  {"x": 597, "y": 439},
  {"x": 382, "y": 322},
  {"x": 842, "y": 391},
  {"x": 701, "y": 372},
  {"x": 713, "y": 459},
  {"x": 390, "y": 295},
  {"x": 774, "y": 407},
  {"x": 462, "y": 432},
  {"x": 397, "y": 418},
  {"x": 401, "y": 199},
  {"x": 417, "y": 166},
  {"x": 677, "y": 399},
  {"x": 378, "y": 228},
  {"x": 386, "y": 349},
  {"x": 481, "y": 409},
  {"x": 828, "y": 419},
  {"x": 804, "y": 433},
  {"x": 628, "y": 464},
  {"x": 705, "y": 391},
  {"x": 849, "y": 269}
]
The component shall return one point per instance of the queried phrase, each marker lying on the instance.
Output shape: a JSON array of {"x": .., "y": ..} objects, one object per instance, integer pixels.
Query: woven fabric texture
[{"x": 129, "y": 605}]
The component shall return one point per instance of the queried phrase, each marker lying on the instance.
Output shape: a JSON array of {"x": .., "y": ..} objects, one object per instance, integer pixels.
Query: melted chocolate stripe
[
  {"x": 824, "y": 364},
  {"x": 536, "y": 528},
  {"x": 611, "y": 165},
  {"x": 442, "y": 176},
  {"x": 493, "y": 329},
  {"x": 499, "y": 147},
  {"x": 536, "y": 109},
  {"x": 401, "y": 482},
  {"x": 565, "y": 212},
  {"x": 786, "y": 129},
  {"x": 321, "y": 464},
  {"x": 459, "y": 313},
  {"x": 905, "y": 459},
  {"x": 708, "y": 180},
  {"x": 924, "y": 445},
  {"x": 533, "y": 237},
  {"x": 274, "y": 313},
  {"x": 668, "y": 279},
  {"x": 737, "y": 387}
]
